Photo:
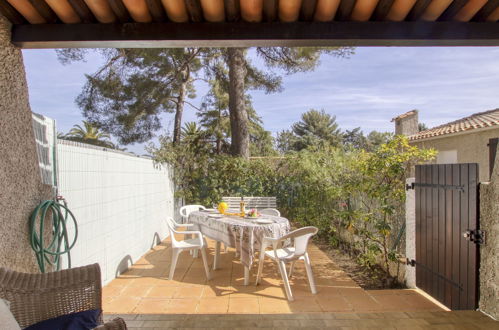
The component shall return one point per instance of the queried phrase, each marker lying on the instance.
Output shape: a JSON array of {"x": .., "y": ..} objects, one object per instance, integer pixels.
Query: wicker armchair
[{"x": 37, "y": 297}]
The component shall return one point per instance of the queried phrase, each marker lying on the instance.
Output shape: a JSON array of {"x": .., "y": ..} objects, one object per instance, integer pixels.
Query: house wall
[
  {"x": 120, "y": 202},
  {"x": 470, "y": 147},
  {"x": 489, "y": 252},
  {"x": 410, "y": 233},
  {"x": 21, "y": 188}
]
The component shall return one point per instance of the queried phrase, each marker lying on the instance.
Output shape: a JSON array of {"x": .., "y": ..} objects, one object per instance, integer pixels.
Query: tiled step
[{"x": 401, "y": 320}]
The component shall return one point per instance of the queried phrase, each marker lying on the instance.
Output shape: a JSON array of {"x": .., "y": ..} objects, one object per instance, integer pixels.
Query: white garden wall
[{"x": 119, "y": 200}]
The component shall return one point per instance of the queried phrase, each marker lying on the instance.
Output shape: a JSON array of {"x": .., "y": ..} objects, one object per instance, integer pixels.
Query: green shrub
[{"x": 355, "y": 198}]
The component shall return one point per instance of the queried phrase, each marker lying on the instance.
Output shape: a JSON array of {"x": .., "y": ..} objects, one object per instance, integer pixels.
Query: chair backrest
[
  {"x": 251, "y": 202},
  {"x": 171, "y": 230},
  {"x": 270, "y": 211},
  {"x": 187, "y": 209},
  {"x": 301, "y": 237}
]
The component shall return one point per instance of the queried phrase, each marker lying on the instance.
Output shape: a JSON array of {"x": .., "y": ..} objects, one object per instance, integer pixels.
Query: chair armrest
[
  {"x": 270, "y": 241},
  {"x": 191, "y": 232},
  {"x": 186, "y": 225},
  {"x": 116, "y": 324},
  {"x": 37, "y": 297}
]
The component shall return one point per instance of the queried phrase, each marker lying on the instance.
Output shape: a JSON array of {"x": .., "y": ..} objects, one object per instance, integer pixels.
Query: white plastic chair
[
  {"x": 188, "y": 209},
  {"x": 289, "y": 255},
  {"x": 269, "y": 211},
  {"x": 193, "y": 244}
]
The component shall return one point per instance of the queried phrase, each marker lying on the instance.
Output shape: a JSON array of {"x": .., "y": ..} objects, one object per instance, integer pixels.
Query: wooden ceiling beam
[
  {"x": 240, "y": 34},
  {"x": 382, "y": 9},
  {"x": 345, "y": 10},
  {"x": 44, "y": 10},
  {"x": 326, "y": 10},
  {"x": 176, "y": 10},
  {"x": 252, "y": 10},
  {"x": 363, "y": 10},
  {"x": 399, "y": 10},
  {"x": 64, "y": 11},
  {"x": 232, "y": 10},
  {"x": 94, "y": 9},
  {"x": 213, "y": 10},
  {"x": 270, "y": 10},
  {"x": 26, "y": 9},
  {"x": 120, "y": 11},
  {"x": 469, "y": 10},
  {"x": 194, "y": 10},
  {"x": 435, "y": 9},
  {"x": 11, "y": 13},
  {"x": 289, "y": 10},
  {"x": 82, "y": 10},
  {"x": 157, "y": 11},
  {"x": 138, "y": 10},
  {"x": 308, "y": 10}
]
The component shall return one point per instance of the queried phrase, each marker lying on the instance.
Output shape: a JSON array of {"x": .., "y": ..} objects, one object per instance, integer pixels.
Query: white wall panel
[{"x": 120, "y": 202}]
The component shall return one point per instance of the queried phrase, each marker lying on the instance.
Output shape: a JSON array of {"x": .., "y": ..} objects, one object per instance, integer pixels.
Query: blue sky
[{"x": 366, "y": 90}]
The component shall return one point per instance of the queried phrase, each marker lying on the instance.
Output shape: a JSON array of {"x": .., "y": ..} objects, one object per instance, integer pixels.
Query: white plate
[
  {"x": 215, "y": 216},
  {"x": 263, "y": 221}
]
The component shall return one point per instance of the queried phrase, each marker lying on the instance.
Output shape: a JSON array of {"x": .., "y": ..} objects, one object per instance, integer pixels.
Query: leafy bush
[{"x": 355, "y": 198}]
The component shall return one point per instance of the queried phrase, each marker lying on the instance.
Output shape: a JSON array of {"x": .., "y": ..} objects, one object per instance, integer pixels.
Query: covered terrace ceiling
[{"x": 222, "y": 23}]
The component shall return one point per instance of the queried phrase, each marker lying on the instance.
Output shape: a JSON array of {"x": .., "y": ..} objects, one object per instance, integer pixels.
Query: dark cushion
[{"x": 76, "y": 321}]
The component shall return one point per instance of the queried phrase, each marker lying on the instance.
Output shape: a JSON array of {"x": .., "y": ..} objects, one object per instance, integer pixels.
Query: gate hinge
[
  {"x": 475, "y": 236},
  {"x": 409, "y": 186},
  {"x": 411, "y": 262}
]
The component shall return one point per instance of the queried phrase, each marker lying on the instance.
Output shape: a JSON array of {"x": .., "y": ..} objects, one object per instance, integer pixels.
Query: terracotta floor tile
[
  {"x": 161, "y": 292},
  {"x": 219, "y": 305},
  {"x": 419, "y": 302},
  {"x": 188, "y": 292},
  {"x": 304, "y": 304},
  {"x": 217, "y": 291},
  {"x": 244, "y": 305},
  {"x": 393, "y": 302},
  {"x": 276, "y": 292},
  {"x": 119, "y": 282},
  {"x": 273, "y": 305},
  {"x": 145, "y": 288},
  {"x": 183, "y": 306},
  {"x": 121, "y": 305},
  {"x": 334, "y": 304},
  {"x": 136, "y": 291},
  {"x": 111, "y": 291},
  {"x": 363, "y": 302},
  {"x": 152, "y": 306}
]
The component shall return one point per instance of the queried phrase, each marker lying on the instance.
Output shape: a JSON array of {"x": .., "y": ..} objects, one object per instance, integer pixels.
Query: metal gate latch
[{"x": 475, "y": 236}]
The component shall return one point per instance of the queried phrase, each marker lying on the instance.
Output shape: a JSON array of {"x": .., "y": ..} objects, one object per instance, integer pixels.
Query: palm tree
[{"x": 89, "y": 134}]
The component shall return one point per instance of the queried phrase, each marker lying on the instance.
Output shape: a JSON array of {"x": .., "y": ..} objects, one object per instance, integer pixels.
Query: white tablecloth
[{"x": 240, "y": 233}]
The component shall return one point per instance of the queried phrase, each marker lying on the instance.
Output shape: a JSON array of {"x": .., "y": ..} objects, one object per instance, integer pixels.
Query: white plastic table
[{"x": 243, "y": 234}]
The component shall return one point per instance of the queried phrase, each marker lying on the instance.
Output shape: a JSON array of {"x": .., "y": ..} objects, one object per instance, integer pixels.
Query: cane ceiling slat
[
  {"x": 144, "y": 11},
  {"x": 91, "y": 23}
]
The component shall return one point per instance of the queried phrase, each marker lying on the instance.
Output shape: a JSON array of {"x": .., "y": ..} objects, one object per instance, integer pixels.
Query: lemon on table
[{"x": 223, "y": 207}]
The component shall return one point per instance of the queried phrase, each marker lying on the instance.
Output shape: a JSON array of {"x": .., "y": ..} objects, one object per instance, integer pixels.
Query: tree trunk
[
  {"x": 237, "y": 108},
  {"x": 180, "y": 107}
]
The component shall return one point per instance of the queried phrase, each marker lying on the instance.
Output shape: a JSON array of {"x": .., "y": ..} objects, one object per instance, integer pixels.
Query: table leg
[
  {"x": 217, "y": 256},
  {"x": 246, "y": 275}
]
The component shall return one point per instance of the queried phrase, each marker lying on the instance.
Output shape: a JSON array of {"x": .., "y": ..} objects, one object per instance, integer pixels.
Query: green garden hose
[{"x": 49, "y": 253}]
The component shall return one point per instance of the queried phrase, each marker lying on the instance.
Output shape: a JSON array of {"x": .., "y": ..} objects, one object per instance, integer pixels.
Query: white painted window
[{"x": 447, "y": 157}]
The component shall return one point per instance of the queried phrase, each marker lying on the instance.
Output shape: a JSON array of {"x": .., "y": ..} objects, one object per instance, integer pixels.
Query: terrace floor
[{"x": 145, "y": 289}]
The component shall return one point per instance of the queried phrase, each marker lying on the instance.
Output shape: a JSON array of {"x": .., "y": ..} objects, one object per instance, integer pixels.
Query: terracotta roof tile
[
  {"x": 407, "y": 114},
  {"x": 475, "y": 121}
]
